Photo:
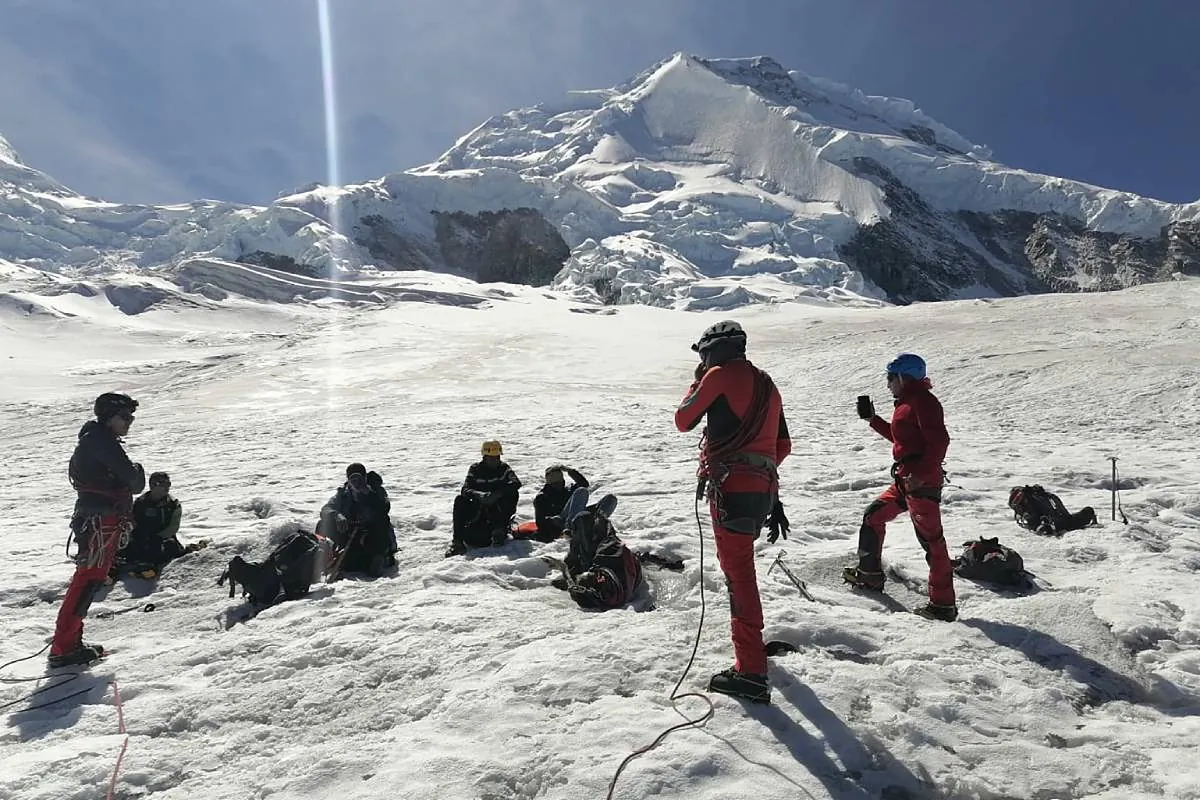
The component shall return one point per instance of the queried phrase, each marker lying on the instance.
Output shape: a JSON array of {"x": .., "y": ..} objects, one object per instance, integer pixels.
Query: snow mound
[{"x": 435, "y": 679}]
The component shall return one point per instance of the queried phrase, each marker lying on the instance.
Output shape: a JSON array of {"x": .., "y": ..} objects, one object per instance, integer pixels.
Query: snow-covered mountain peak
[
  {"x": 838, "y": 105},
  {"x": 699, "y": 183},
  {"x": 7, "y": 154},
  {"x": 15, "y": 173},
  {"x": 731, "y": 174}
]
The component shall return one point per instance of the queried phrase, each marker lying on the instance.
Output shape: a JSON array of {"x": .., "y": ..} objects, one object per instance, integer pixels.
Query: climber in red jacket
[
  {"x": 919, "y": 443},
  {"x": 745, "y": 440}
]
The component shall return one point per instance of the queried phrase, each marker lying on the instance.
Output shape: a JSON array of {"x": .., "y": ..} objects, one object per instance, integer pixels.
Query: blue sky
[{"x": 172, "y": 100}]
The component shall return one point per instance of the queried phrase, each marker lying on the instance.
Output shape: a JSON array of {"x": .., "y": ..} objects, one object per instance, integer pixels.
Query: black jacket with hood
[{"x": 104, "y": 478}]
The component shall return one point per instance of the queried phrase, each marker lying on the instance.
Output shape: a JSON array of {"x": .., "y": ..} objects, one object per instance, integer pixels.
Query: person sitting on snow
[
  {"x": 485, "y": 506},
  {"x": 599, "y": 571},
  {"x": 154, "y": 541},
  {"x": 550, "y": 502},
  {"x": 356, "y": 520}
]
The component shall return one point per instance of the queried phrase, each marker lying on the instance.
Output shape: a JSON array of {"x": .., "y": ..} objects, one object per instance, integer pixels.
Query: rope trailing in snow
[
  {"x": 112, "y": 783},
  {"x": 18, "y": 661},
  {"x": 66, "y": 679},
  {"x": 675, "y": 695}
]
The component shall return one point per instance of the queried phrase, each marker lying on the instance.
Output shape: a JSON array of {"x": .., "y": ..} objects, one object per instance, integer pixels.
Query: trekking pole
[
  {"x": 1113, "y": 459},
  {"x": 1116, "y": 494},
  {"x": 799, "y": 584}
]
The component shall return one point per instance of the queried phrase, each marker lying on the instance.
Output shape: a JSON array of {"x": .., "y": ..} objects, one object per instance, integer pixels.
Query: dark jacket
[
  {"x": 368, "y": 509},
  {"x": 104, "y": 478},
  {"x": 160, "y": 519},
  {"x": 550, "y": 500},
  {"x": 917, "y": 433},
  {"x": 485, "y": 479},
  {"x": 605, "y": 573}
]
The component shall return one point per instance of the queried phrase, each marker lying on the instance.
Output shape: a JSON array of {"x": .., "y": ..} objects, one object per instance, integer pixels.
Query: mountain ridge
[{"x": 699, "y": 183}]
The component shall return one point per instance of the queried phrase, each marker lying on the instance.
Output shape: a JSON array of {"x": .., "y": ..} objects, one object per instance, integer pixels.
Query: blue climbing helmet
[{"x": 910, "y": 365}]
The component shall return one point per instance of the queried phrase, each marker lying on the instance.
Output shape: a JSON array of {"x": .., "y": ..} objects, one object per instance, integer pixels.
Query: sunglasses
[
  {"x": 125, "y": 415},
  {"x": 160, "y": 485}
]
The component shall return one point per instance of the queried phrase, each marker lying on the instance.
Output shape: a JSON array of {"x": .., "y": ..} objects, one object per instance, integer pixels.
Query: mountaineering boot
[
  {"x": 863, "y": 579},
  {"x": 499, "y": 537},
  {"x": 741, "y": 684},
  {"x": 82, "y": 656},
  {"x": 934, "y": 611}
]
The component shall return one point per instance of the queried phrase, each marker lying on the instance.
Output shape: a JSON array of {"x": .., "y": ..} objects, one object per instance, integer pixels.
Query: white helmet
[{"x": 724, "y": 330}]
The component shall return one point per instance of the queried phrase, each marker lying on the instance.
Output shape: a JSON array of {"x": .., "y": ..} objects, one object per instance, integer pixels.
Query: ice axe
[
  {"x": 335, "y": 569},
  {"x": 799, "y": 584}
]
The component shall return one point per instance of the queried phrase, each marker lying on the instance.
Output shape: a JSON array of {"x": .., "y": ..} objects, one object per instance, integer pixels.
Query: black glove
[
  {"x": 866, "y": 409},
  {"x": 701, "y": 368},
  {"x": 778, "y": 523}
]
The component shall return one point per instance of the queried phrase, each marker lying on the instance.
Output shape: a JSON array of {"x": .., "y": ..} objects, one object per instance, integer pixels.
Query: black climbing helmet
[
  {"x": 725, "y": 332},
  {"x": 110, "y": 404}
]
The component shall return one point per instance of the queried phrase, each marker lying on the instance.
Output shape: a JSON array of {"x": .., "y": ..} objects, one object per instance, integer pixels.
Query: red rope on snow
[{"x": 125, "y": 744}]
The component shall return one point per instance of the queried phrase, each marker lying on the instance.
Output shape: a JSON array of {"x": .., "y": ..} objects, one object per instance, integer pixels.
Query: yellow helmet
[{"x": 491, "y": 448}]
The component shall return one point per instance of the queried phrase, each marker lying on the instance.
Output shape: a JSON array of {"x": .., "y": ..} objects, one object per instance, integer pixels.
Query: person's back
[{"x": 734, "y": 385}]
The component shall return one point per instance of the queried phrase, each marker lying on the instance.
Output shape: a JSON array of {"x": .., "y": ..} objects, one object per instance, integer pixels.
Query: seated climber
[
  {"x": 154, "y": 541},
  {"x": 549, "y": 503},
  {"x": 599, "y": 571},
  {"x": 356, "y": 522},
  {"x": 485, "y": 506}
]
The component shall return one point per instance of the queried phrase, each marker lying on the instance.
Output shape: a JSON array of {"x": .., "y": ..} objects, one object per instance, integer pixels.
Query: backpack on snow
[
  {"x": 1043, "y": 512},
  {"x": 287, "y": 573},
  {"x": 991, "y": 562}
]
